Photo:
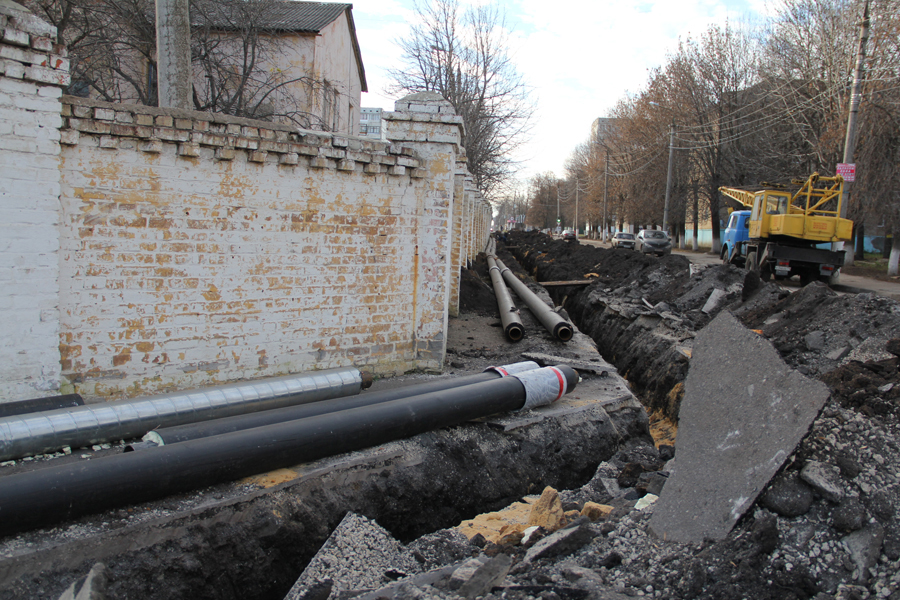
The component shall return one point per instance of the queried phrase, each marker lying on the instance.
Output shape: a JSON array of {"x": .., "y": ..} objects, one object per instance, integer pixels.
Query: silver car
[
  {"x": 653, "y": 241},
  {"x": 623, "y": 240}
]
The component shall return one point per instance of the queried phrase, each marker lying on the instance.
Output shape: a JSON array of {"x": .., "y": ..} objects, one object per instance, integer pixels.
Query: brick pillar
[
  {"x": 33, "y": 70},
  {"x": 457, "y": 251},
  {"x": 428, "y": 123}
]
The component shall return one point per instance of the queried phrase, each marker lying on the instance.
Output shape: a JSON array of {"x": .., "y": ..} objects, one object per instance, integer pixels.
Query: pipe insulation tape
[
  {"x": 542, "y": 386},
  {"x": 519, "y": 367}
]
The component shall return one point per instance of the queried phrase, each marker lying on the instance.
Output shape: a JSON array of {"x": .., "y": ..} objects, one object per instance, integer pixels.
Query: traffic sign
[{"x": 847, "y": 171}]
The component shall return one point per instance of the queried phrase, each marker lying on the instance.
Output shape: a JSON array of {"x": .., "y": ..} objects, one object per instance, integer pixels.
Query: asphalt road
[{"x": 851, "y": 284}]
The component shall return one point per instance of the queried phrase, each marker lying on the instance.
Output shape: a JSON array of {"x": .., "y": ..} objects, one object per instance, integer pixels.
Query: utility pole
[
  {"x": 173, "y": 49},
  {"x": 850, "y": 140},
  {"x": 605, "y": 190},
  {"x": 576, "y": 207},
  {"x": 669, "y": 178}
]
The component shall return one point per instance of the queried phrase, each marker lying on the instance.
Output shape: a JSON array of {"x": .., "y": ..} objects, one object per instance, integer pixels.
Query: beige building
[
  {"x": 320, "y": 53},
  {"x": 316, "y": 56}
]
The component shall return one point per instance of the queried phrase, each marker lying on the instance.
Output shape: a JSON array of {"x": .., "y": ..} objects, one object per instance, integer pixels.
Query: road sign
[{"x": 847, "y": 171}]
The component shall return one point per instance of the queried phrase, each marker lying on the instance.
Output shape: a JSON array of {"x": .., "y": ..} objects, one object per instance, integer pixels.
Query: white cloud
[{"x": 580, "y": 57}]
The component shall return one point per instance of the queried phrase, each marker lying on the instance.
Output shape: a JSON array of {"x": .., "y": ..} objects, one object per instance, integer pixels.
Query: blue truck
[{"x": 737, "y": 231}]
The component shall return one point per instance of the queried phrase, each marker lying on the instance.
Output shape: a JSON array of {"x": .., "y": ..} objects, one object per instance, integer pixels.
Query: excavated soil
[{"x": 643, "y": 313}]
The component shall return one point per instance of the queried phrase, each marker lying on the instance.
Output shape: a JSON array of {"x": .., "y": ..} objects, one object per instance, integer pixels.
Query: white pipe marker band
[
  {"x": 519, "y": 367},
  {"x": 542, "y": 386}
]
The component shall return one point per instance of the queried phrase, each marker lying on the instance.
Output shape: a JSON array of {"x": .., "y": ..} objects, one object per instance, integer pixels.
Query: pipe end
[
  {"x": 515, "y": 332},
  {"x": 572, "y": 376},
  {"x": 367, "y": 379},
  {"x": 563, "y": 331}
]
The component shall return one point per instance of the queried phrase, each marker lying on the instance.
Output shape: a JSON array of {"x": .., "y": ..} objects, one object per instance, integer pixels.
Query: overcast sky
[{"x": 579, "y": 57}]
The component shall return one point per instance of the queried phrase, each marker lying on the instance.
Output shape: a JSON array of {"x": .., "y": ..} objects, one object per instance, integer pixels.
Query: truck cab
[{"x": 737, "y": 231}]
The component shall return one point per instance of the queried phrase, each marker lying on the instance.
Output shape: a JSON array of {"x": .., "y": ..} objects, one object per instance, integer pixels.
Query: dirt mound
[
  {"x": 476, "y": 296},
  {"x": 873, "y": 387},
  {"x": 643, "y": 313}
]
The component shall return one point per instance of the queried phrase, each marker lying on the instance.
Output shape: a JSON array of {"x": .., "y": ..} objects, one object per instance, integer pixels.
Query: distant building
[
  {"x": 602, "y": 128},
  {"x": 370, "y": 124}
]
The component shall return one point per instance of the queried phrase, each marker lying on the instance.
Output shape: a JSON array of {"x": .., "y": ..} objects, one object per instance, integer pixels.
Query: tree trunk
[
  {"x": 886, "y": 245},
  {"x": 696, "y": 241},
  {"x": 860, "y": 241},
  {"x": 895, "y": 255}
]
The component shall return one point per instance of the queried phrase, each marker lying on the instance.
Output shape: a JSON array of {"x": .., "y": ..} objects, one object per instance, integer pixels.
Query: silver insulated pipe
[{"x": 49, "y": 431}]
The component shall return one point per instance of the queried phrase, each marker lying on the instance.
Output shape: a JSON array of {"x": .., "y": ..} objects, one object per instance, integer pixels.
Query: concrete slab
[{"x": 744, "y": 412}]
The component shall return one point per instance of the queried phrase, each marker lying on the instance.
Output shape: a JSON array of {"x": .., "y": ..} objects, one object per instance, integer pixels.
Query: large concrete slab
[{"x": 744, "y": 412}]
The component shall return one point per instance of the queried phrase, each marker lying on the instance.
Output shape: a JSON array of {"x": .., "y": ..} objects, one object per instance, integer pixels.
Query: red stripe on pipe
[{"x": 562, "y": 382}]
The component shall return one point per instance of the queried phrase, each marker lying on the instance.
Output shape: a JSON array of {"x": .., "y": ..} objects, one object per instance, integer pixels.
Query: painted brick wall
[
  {"x": 150, "y": 249},
  {"x": 198, "y": 249},
  {"x": 32, "y": 69}
]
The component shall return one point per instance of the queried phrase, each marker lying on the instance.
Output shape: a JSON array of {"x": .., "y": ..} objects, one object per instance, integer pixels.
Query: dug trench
[{"x": 806, "y": 536}]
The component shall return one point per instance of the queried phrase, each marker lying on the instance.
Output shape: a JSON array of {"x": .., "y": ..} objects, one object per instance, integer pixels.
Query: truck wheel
[
  {"x": 724, "y": 255},
  {"x": 750, "y": 262}
]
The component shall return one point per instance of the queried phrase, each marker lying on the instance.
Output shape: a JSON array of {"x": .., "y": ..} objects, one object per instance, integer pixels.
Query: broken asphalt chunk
[{"x": 743, "y": 414}]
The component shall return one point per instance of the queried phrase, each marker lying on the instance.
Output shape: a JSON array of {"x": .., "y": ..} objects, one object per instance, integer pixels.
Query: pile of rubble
[{"x": 823, "y": 523}]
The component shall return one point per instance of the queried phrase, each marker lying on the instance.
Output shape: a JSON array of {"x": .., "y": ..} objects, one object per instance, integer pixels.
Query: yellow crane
[{"x": 785, "y": 229}]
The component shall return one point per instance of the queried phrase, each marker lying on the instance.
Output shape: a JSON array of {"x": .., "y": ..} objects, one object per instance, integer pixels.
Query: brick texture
[
  {"x": 29, "y": 206},
  {"x": 151, "y": 249}
]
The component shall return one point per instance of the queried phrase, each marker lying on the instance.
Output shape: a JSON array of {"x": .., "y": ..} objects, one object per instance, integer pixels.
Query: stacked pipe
[
  {"x": 192, "y": 431},
  {"x": 552, "y": 322},
  {"x": 48, "y": 431},
  {"x": 52, "y": 494},
  {"x": 509, "y": 315}
]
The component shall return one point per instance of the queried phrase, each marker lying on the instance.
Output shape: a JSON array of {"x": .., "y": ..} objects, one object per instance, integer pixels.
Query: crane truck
[{"x": 785, "y": 230}]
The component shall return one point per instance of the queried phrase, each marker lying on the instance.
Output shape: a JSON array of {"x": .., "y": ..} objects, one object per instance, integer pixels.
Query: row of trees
[
  {"x": 112, "y": 48},
  {"x": 749, "y": 104}
]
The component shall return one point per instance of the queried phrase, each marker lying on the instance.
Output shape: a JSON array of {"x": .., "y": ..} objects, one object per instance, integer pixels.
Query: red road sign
[{"x": 847, "y": 171}]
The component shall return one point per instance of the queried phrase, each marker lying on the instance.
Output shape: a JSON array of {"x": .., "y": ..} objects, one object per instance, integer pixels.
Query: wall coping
[{"x": 122, "y": 125}]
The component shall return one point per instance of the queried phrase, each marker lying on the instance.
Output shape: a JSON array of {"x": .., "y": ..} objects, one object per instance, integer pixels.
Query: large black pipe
[
  {"x": 509, "y": 315},
  {"x": 24, "y": 407},
  {"x": 192, "y": 431},
  {"x": 551, "y": 321},
  {"x": 46, "y": 496}
]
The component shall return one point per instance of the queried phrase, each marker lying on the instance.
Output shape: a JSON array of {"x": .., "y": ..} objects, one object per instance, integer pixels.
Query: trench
[
  {"x": 650, "y": 357},
  {"x": 234, "y": 541}
]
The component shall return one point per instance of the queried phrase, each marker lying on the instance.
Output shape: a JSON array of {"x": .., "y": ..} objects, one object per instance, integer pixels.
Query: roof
[
  {"x": 296, "y": 17},
  {"x": 303, "y": 17}
]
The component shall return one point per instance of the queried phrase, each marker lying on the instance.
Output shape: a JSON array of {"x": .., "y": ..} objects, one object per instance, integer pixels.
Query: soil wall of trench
[
  {"x": 643, "y": 313},
  {"x": 237, "y": 541}
]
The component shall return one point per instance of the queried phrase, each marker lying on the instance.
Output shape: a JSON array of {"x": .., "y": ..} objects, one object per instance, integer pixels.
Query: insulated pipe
[
  {"x": 192, "y": 431},
  {"x": 509, "y": 315},
  {"x": 46, "y": 496},
  {"x": 75, "y": 427},
  {"x": 22, "y": 407},
  {"x": 554, "y": 323}
]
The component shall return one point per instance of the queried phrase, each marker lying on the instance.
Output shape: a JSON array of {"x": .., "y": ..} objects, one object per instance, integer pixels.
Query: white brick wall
[
  {"x": 31, "y": 71},
  {"x": 146, "y": 249},
  {"x": 184, "y": 270}
]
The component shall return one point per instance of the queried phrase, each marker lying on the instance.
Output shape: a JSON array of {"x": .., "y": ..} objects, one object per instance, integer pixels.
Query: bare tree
[
  {"x": 234, "y": 44},
  {"x": 464, "y": 56}
]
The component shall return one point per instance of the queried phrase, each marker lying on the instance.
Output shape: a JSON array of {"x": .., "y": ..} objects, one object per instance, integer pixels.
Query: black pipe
[
  {"x": 551, "y": 320},
  {"x": 24, "y": 407},
  {"x": 192, "y": 431},
  {"x": 46, "y": 496},
  {"x": 509, "y": 316}
]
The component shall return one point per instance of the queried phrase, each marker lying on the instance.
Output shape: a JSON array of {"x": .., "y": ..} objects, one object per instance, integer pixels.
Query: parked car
[
  {"x": 568, "y": 234},
  {"x": 653, "y": 241},
  {"x": 623, "y": 240}
]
